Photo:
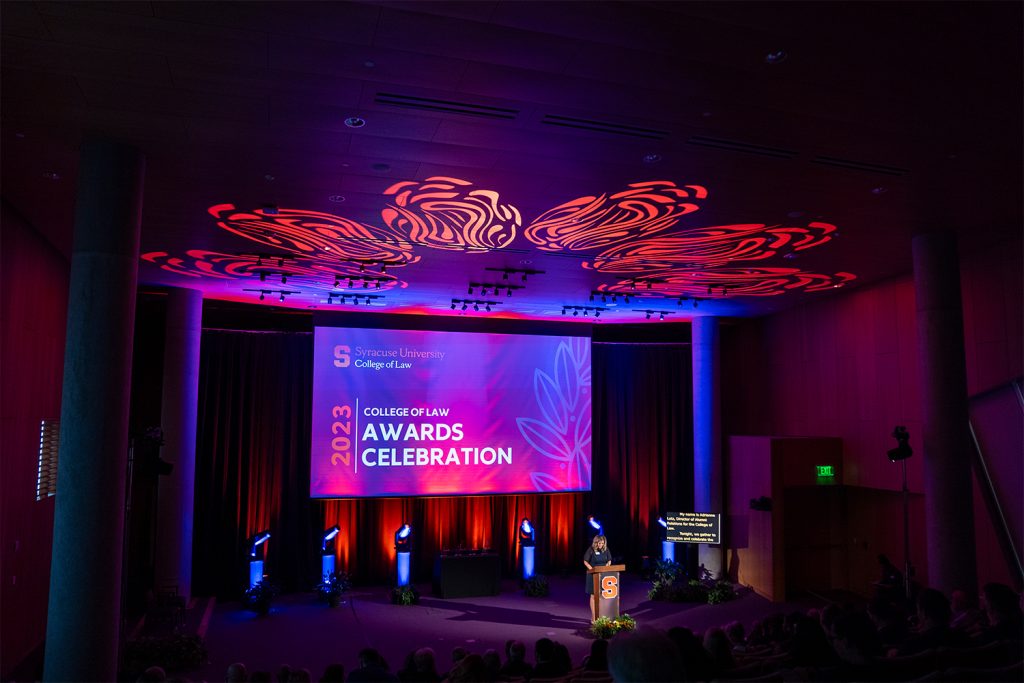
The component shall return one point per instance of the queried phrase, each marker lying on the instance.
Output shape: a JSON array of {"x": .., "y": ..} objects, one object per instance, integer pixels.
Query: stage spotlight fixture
[
  {"x": 488, "y": 308},
  {"x": 710, "y": 291},
  {"x": 668, "y": 548},
  {"x": 626, "y": 296},
  {"x": 464, "y": 305},
  {"x": 508, "y": 293},
  {"x": 662, "y": 317},
  {"x": 648, "y": 315},
  {"x": 284, "y": 279},
  {"x": 453, "y": 305},
  {"x": 403, "y": 544},
  {"x": 263, "y": 276},
  {"x": 282, "y": 297},
  {"x": 504, "y": 276},
  {"x": 262, "y": 296},
  {"x": 591, "y": 296},
  {"x": 476, "y": 307},
  {"x": 378, "y": 284},
  {"x": 527, "y": 545},
  {"x": 597, "y": 314},
  {"x": 258, "y": 540},
  {"x": 903, "y": 449},
  {"x": 403, "y": 538},
  {"x": 329, "y": 534},
  {"x": 596, "y": 525},
  {"x": 575, "y": 312},
  {"x": 563, "y": 310},
  {"x": 469, "y": 291}
]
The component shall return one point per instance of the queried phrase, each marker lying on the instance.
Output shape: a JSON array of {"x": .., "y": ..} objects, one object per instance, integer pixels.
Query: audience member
[
  {"x": 562, "y": 659},
  {"x": 1002, "y": 613},
  {"x": 697, "y": 664},
  {"x": 544, "y": 653},
  {"x": 737, "y": 637},
  {"x": 645, "y": 654},
  {"x": 153, "y": 674},
  {"x": 261, "y": 677},
  {"x": 889, "y": 586},
  {"x": 469, "y": 669},
  {"x": 334, "y": 673},
  {"x": 809, "y": 646},
  {"x": 967, "y": 617},
  {"x": 492, "y": 662},
  {"x": 933, "y": 615},
  {"x": 516, "y": 665},
  {"x": 597, "y": 660},
  {"x": 890, "y": 623},
  {"x": 719, "y": 650},
  {"x": 237, "y": 673},
  {"x": 300, "y": 676},
  {"x": 372, "y": 667}
]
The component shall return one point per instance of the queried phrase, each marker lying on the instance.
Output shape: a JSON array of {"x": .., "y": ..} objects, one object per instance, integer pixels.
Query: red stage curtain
[{"x": 252, "y": 472}]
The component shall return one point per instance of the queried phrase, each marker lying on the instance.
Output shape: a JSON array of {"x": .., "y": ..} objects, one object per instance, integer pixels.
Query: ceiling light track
[{"x": 445, "y": 106}]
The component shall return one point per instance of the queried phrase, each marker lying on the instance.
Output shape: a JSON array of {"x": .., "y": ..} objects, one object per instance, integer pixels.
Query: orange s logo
[
  {"x": 609, "y": 587},
  {"x": 341, "y": 357}
]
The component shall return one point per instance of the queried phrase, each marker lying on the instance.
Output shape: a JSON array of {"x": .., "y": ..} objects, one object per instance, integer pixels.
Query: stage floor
[{"x": 303, "y": 633}]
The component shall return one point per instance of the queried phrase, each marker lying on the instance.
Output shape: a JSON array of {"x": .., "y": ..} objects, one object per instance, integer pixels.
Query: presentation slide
[{"x": 415, "y": 413}]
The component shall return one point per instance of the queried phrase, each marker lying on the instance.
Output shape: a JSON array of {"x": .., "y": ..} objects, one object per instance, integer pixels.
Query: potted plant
[
  {"x": 404, "y": 595},
  {"x": 333, "y": 587},
  {"x": 536, "y": 586},
  {"x": 260, "y": 596}
]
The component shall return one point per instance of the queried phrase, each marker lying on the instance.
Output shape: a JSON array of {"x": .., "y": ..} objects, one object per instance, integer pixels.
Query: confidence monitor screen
[{"x": 414, "y": 413}]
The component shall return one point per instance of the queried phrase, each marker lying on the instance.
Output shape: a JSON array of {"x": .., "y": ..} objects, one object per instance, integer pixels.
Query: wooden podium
[{"x": 607, "y": 589}]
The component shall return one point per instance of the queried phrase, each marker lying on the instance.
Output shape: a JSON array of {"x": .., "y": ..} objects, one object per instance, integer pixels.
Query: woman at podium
[{"x": 597, "y": 555}]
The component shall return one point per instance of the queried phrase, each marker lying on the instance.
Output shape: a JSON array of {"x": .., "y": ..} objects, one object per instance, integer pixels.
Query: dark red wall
[
  {"x": 33, "y": 301},
  {"x": 848, "y": 367}
]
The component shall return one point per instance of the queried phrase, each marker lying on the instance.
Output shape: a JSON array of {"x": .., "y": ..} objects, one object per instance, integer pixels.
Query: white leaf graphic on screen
[
  {"x": 563, "y": 431},
  {"x": 545, "y": 482},
  {"x": 549, "y": 398},
  {"x": 568, "y": 376},
  {"x": 546, "y": 440}
]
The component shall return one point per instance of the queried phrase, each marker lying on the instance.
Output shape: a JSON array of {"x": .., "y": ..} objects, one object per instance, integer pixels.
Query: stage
[{"x": 301, "y": 632}]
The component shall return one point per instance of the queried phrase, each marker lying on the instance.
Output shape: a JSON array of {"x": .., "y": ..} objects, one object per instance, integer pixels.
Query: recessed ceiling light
[
  {"x": 879, "y": 190},
  {"x": 355, "y": 122},
  {"x": 51, "y": 175},
  {"x": 652, "y": 158},
  {"x": 775, "y": 57},
  {"x": 337, "y": 198},
  {"x": 383, "y": 168}
]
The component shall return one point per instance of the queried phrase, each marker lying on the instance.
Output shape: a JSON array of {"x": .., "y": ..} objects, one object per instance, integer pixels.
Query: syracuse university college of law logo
[
  {"x": 609, "y": 587},
  {"x": 341, "y": 428}
]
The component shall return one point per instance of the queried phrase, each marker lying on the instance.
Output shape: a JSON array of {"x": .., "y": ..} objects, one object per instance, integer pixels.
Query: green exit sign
[{"x": 825, "y": 470}]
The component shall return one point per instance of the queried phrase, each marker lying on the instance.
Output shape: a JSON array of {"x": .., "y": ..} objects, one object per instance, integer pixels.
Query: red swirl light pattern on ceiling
[
  {"x": 709, "y": 247},
  {"x": 317, "y": 275},
  {"x": 606, "y": 220},
  {"x": 626, "y": 234},
  {"x": 328, "y": 237},
  {"x": 444, "y": 213},
  {"x": 758, "y": 281}
]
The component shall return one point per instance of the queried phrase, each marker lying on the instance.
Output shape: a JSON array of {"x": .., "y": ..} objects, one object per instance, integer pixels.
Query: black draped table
[{"x": 467, "y": 575}]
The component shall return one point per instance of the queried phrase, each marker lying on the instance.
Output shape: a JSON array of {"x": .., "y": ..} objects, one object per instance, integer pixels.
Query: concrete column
[
  {"x": 88, "y": 530},
  {"x": 945, "y": 444},
  {"x": 178, "y": 420},
  {"x": 707, "y": 431}
]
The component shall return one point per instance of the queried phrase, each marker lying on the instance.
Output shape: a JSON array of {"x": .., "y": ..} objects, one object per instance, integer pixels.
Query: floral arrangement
[
  {"x": 606, "y": 627},
  {"x": 333, "y": 586}
]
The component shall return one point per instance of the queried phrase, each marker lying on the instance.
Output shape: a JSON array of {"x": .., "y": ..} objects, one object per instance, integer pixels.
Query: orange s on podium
[{"x": 607, "y": 588}]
